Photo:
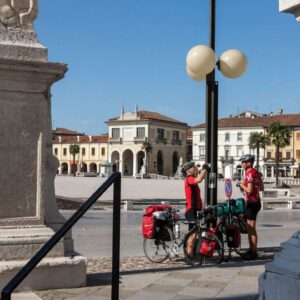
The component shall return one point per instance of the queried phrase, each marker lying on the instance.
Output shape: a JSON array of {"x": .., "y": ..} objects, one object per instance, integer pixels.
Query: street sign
[{"x": 228, "y": 188}]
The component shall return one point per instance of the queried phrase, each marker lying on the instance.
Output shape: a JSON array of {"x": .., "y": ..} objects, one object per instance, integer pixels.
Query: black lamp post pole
[{"x": 211, "y": 149}]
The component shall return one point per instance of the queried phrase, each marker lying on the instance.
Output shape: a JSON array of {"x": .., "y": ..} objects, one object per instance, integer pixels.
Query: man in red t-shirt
[{"x": 251, "y": 186}]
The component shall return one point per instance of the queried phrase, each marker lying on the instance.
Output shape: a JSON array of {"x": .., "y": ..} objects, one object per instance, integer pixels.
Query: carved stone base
[
  {"x": 51, "y": 273},
  {"x": 281, "y": 279},
  {"x": 32, "y": 52}
]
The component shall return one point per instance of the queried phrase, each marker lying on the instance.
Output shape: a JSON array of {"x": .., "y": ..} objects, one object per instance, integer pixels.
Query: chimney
[
  {"x": 59, "y": 139},
  {"x": 78, "y": 139},
  {"x": 90, "y": 138},
  {"x": 122, "y": 112}
]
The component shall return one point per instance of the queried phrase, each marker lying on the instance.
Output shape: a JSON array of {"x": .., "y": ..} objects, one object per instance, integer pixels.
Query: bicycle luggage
[
  {"x": 238, "y": 207},
  {"x": 233, "y": 236},
  {"x": 207, "y": 247},
  {"x": 151, "y": 225},
  {"x": 156, "y": 207}
]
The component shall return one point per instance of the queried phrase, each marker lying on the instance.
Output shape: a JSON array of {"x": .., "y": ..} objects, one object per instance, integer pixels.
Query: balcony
[
  {"x": 139, "y": 140},
  {"x": 115, "y": 140},
  {"x": 176, "y": 142},
  {"x": 227, "y": 159},
  {"x": 160, "y": 140}
]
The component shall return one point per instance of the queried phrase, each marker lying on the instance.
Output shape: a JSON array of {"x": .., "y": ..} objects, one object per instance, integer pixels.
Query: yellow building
[{"x": 92, "y": 157}]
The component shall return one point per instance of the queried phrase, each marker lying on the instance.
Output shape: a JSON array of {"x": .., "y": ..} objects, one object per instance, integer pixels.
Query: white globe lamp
[
  {"x": 233, "y": 63},
  {"x": 195, "y": 76},
  {"x": 201, "y": 59}
]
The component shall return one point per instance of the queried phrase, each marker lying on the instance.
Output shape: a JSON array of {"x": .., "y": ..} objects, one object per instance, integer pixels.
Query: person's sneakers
[{"x": 249, "y": 255}]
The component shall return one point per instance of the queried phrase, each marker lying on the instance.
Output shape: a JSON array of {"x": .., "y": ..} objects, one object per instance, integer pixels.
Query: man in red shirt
[
  {"x": 192, "y": 195},
  {"x": 251, "y": 186}
]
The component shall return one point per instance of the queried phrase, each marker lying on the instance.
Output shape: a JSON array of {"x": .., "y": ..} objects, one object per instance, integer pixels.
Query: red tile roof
[
  {"x": 148, "y": 115},
  {"x": 82, "y": 139},
  {"x": 288, "y": 119},
  {"x": 64, "y": 131}
]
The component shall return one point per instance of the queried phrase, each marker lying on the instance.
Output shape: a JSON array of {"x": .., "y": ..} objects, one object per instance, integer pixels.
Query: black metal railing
[{"x": 115, "y": 179}]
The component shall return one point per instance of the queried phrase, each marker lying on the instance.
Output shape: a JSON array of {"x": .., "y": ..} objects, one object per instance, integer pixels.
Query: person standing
[
  {"x": 251, "y": 186},
  {"x": 192, "y": 195}
]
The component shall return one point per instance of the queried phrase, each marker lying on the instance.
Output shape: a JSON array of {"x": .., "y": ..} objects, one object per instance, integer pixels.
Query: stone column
[
  {"x": 134, "y": 171},
  {"x": 28, "y": 210}
]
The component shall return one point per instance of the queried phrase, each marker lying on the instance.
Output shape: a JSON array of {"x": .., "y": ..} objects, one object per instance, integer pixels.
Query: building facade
[
  {"x": 92, "y": 156},
  {"x": 130, "y": 131},
  {"x": 233, "y": 141}
]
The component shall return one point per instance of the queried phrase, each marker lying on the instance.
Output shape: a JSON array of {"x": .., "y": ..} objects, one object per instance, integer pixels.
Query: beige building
[
  {"x": 92, "y": 157},
  {"x": 130, "y": 130}
]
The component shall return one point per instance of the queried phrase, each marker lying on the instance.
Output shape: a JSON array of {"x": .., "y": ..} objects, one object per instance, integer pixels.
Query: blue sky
[{"x": 128, "y": 52}]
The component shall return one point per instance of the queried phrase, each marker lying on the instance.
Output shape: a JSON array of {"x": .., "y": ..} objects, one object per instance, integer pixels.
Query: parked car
[{"x": 236, "y": 176}]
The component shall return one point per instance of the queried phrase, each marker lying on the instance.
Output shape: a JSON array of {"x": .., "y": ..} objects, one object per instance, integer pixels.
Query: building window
[
  {"x": 239, "y": 136},
  {"x": 83, "y": 151},
  {"x": 93, "y": 151},
  {"x": 201, "y": 151},
  {"x": 102, "y": 151},
  {"x": 297, "y": 154},
  {"x": 227, "y": 137},
  {"x": 55, "y": 151},
  {"x": 227, "y": 153},
  {"x": 297, "y": 136},
  {"x": 65, "y": 151},
  {"x": 160, "y": 133},
  {"x": 269, "y": 155},
  {"x": 115, "y": 133},
  {"x": 140, "y": 132},
  {"x": 202, "y": 137},
  {"x": 288, "y": 155},
  {"x": 175, "y": 135}
]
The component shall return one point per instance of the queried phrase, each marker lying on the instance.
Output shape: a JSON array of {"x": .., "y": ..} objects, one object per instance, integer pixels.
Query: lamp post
[{"x": 200, "y": 65}]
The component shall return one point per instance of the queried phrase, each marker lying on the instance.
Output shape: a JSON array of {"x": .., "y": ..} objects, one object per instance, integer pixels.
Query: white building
[
  {"x": 130, "y": 130},
  {"x": 233, "y": 141}
]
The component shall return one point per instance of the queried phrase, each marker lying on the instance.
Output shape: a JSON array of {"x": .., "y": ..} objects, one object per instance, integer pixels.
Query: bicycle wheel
[
  {"x": 192, "y": 256},
  {"x": 210, "y": 247},
  {"x": 157, "y": 250}
]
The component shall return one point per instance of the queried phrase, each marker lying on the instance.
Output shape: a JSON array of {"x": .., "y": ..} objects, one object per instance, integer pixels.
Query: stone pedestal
[
  {"x": 281, "y": 279},
  {"x": 28, "y": 211}
]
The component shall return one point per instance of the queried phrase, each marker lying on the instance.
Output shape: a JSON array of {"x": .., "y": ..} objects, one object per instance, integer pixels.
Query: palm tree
[
  {"x": 74, "y": 149},
  {"x": 278, "y": 135},
  {"x": 147, "y": 147},
  {"x": 257, "y": 140}
]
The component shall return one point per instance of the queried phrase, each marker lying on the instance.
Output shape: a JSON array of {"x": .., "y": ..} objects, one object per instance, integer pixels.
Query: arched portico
[
  {"x": 175, "y": 162},
  {"x": 64, "y": 168},
  {"x": 83, "y": 167},
  {"x": 127, "y": 162},
  {"x": 93, "y": 168},
  {"x": 115, "y": 161},
  {"x": 160, "y": 163},
  {"x": 140, "y": 161}
]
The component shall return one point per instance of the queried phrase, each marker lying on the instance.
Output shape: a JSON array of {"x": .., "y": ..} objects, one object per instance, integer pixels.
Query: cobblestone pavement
[{"x": 175, "y": 273}]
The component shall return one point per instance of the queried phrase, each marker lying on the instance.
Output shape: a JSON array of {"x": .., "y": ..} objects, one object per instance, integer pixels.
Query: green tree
[
  {"x": 147, "y": 147},
  {"x": 257, "y": 140},
  {"x": 74, "y": 149},
  {"x": 279, "y": 136}
]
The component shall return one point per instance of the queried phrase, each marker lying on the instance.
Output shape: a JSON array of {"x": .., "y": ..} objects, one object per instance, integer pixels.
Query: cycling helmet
[
  {"x": 187, "y": 165},
  {"x": 247, "y": 158}
]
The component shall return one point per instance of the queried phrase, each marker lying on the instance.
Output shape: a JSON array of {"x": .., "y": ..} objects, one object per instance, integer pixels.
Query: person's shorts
[
  {"x": 190, "y": 215},
  {"x": 252, "y": 209}
]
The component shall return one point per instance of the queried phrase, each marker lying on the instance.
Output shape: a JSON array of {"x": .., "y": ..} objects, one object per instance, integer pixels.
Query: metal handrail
[{"x": 115, "y": 179}]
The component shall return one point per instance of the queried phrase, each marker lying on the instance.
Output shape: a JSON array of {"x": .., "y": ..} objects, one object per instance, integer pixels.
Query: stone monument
[{"x": 28, "y": 211}]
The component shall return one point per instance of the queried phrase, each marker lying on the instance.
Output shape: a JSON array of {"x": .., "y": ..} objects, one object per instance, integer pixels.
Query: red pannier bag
[
  {"x": 156, "y": 207},
  {"x": 207, "y": 246},
  {"x": 148, "y": 227},
  {"x": 149, "y": 223},
  {"x": 233, "y": 235}
]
